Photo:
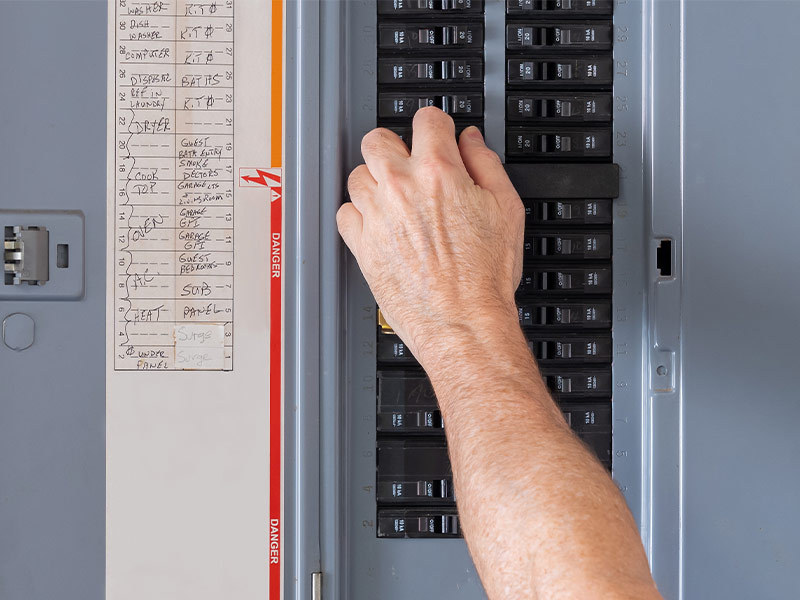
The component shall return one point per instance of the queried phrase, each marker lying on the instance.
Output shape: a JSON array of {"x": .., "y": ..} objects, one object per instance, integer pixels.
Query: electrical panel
[{"x": 558, "y": 109}]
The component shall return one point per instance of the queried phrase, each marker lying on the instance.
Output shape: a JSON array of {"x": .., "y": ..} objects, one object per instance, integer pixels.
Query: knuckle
[
  {"x": 492, "y": 156},
  {"x": 355, "y": 177},
  {"x": 433, "y": 113},
  {"x": 435, "y": 163},
  {"x": 376, "y": 139},
  {"x": 517, "y": 209},
  {"x": 341, "y": 215},
  {"x": 370, "y": 141}
]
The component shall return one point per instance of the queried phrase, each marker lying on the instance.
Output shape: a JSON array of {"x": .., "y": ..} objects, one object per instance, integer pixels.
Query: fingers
[
  {"x": 435, "y": 137},
  {"x": 383, "y": 150},
  {"x": 361, "y": 187},
  {"x": 351, "y": 224},
  {"x": 484, "y": 166}
]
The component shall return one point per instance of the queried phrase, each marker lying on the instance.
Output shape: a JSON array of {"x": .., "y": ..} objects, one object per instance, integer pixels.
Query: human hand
[{"x": 437, "y": 232}]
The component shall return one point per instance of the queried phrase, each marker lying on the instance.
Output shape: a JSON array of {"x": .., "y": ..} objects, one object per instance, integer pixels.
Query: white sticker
[{"x": 200, "y": 346}]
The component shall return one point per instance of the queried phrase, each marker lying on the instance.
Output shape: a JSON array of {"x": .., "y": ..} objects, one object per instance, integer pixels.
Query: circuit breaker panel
[
  {"x": 558, "y": 112},
  {"x": 540, "y": 80}
]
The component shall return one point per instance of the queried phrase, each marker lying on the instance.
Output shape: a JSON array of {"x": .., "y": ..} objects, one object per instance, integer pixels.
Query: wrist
[{"x": 486, "y": 325}]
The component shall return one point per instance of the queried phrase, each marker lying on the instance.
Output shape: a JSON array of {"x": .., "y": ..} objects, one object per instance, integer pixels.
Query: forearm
[
  {"x": 540, "y": 514},
  {"x": 442, "y": 226}
]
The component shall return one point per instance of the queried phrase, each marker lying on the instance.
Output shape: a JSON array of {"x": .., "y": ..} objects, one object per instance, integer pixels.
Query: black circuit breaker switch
[
  {"x": 560, "y": 108},
  {"x": 571, "y": 348},
  {"x": 414, "y": 471},
  {"x": 402, "y": 105},
  {"x": 415, "y": 7},
  {"x": 590, "y": 417},
  {"x": 407, "y": 36},
  {"x": 559, "y": 143},
  {"x": 417, "y": 523},
  {"x": 392, "y": 349},
  {"x": 26, "y": 255},
  {"x": 555, "y": 281},
  {"x": 574, "y": 7},
  {"x": 432, "y": 70},
  {"x": 407, "y": 403},
  {"x": 572, "y": 246},
  {"x": 580, "y": 36},
  {"x": 591, "y": 70},
  {"x": 578, "y": 315},
  {"x": 574, "y": 212},
  {"x": 571, "y": 383}
]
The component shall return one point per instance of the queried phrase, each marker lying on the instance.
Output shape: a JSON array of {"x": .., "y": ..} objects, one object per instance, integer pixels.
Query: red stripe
[{"x": 275, "y": 352}]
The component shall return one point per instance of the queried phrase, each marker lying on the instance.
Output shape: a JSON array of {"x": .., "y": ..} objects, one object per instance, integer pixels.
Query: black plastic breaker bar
[{"x": 564, "y": 181}]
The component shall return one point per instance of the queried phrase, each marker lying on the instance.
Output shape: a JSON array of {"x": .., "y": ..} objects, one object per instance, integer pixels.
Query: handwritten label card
[{"x": 174, "y": 180}]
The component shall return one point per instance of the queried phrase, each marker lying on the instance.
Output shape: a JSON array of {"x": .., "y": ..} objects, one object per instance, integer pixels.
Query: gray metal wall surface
[{"x": 52, "y": 395}]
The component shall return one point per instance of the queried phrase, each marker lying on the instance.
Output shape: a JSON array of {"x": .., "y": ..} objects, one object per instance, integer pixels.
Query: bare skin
[{"x": 438, "y": 234}]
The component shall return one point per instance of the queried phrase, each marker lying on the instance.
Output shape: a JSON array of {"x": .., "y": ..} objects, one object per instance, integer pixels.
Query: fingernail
[{"x": 473, "y": 132}]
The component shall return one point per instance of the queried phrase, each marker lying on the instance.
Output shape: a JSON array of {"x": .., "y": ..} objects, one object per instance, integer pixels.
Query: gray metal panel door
[
  {"x": 741, "y": 282},
  {"x": 52, "y": 395}
]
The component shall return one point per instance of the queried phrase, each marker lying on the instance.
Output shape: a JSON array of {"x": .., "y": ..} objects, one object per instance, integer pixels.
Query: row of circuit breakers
[{"x": 559, "y": 77}]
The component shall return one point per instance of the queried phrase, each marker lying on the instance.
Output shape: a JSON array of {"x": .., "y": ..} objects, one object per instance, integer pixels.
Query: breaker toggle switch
[
  {"x": 557, "y": 281},
  {"x": 438, "y": 489},
  {"x": 592, "y": 349},
  {"x": 576, "y": 315},
  {"x": 447, "y": 35},
  {"x": 401, "y": 70},
  {"x": 417, "y": 523},
  {"x": 407, "y": 36},
  {"x": 545, "y": 107},
  {"x": 587, "y": 7},
  {"x": 525, "y": 142},
  {"x": 394, "y": 105},
  {"x": 577, "y": 35},
  {"x": 590, "y": 70},
  {"x": 578, "y": 382},
  {"x": 569, "y": 246},
  {"x": 409, "y": 7},
  {"x": 575, "y": 211}
]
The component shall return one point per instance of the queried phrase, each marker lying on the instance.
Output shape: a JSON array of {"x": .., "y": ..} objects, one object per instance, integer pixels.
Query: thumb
[{"x": 484, "y": 166}]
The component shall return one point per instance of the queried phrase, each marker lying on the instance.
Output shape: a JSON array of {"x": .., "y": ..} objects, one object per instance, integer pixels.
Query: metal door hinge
[{"x": 316, "y": 586}]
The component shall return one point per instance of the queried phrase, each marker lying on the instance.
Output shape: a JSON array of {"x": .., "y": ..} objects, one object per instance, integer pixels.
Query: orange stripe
[{"x": 276, "y": 101}]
